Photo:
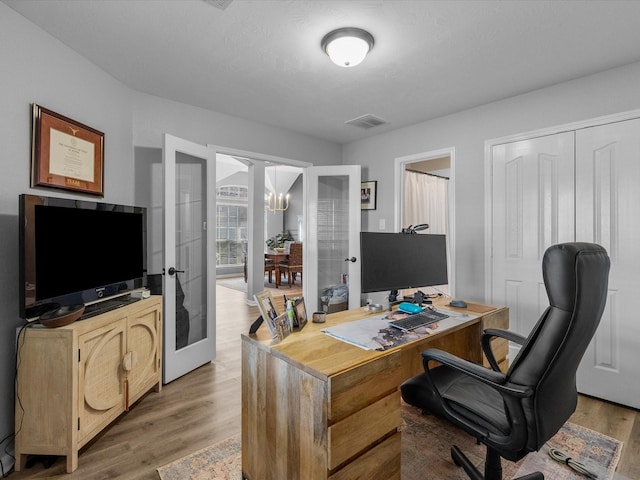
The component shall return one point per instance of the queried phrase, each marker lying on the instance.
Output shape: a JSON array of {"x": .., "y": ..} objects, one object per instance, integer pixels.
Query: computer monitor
[{"x": 395, "y": 261}]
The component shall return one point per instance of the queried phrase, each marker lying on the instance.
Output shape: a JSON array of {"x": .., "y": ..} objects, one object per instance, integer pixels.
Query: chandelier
[{"x": 275, "y": 201}]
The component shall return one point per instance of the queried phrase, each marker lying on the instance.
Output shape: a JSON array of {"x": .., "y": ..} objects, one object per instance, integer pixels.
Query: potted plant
[{"x": 277, "y": 242}]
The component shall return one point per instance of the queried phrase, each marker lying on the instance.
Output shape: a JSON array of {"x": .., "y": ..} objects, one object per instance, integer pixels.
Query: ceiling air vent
[
  {"x": 366, "y": 121},
  {"x": 221, "y": 4}
]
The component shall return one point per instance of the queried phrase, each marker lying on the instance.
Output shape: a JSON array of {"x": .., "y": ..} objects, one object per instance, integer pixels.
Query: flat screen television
[
  {"x": 75, "y": 251},
  {"x": 395, "y": 261}
]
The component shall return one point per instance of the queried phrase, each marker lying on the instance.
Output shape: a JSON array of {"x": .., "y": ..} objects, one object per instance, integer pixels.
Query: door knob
[
  {"x": 173, "y": 271},
  {"x": 352, "y": 259}
]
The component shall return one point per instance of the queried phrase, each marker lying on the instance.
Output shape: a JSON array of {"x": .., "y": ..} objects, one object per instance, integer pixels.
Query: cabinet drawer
[
  {"x": 355, "y": 433},
  {"x": 359, "y": 387},
  {"x": 380, "y": 463}
]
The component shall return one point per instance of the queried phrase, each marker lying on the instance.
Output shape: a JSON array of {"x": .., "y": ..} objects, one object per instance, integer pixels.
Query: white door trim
[
  {"x": 255, "y": 232},
  {"x": 399, "y": 166}
]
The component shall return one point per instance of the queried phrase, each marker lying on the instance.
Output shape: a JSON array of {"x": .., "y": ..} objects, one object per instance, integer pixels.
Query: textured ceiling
[{"x": 261, "y": 60}]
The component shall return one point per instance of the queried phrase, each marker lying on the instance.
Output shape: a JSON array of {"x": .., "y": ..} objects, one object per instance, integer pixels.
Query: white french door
[
  {"x": 189, "y": 256},
  {"x": 332, "y": 242}
]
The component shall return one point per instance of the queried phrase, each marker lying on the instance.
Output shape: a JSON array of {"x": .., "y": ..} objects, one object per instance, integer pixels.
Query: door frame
[
  {"x": 255, "y": 222},
  {"x": 399, "y": 167}
]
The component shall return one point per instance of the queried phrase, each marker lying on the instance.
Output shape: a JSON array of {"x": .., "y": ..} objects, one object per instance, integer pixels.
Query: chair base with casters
[
  {"x": 516, "y": 412},
  {"x": 492, "y": 466}
]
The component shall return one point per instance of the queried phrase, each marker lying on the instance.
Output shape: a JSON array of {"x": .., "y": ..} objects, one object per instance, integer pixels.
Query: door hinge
[
  {"x": 78, "y": 355},
  {"x": 78, "y": 423}
]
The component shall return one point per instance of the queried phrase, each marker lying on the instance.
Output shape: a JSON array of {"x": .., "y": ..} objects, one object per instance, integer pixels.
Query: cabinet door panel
[
  {"x": 143, "y": 345},
  {"x": 101, "y": 377}
]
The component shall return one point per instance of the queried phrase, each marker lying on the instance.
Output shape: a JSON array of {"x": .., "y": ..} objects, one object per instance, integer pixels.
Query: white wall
[
  {"x": 154, "y": 116},
  {"x": 606, "y": 93},
  {"x": 36, "y": 68}
]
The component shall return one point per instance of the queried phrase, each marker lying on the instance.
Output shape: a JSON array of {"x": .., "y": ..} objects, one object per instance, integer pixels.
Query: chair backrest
[
  {"x": 295, "y": 254},
  {"x": 287, "y": 247},
  {"x": 576, "y": 279}
]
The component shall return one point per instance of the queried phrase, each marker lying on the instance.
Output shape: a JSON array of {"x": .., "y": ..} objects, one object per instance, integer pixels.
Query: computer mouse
[{"x": 458, "y": 304}]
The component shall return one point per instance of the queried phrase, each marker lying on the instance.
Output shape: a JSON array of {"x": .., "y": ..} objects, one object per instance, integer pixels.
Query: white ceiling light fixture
[{"x": 348, "y": 46}]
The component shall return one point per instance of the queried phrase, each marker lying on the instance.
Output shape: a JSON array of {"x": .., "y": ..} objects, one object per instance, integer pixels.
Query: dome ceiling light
[{"x": 347, "y": 47}]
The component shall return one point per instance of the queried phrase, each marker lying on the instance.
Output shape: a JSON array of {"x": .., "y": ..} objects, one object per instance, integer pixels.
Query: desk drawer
[
  {"x": 361, "y": 386},
  {"x": 355, "y": 433},
  {"x": 382, "y": 462}
]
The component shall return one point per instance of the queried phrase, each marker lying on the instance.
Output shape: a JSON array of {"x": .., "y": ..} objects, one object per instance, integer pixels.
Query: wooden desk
[
  {"x": 314, "y": 407},
  {"x": 277, "y": 257}
]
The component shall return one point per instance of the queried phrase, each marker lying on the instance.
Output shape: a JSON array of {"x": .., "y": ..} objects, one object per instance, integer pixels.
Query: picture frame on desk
[
  {"x": 267, "y": 310},
  {"x": 282, "y": 327},
  {"x": 300, "y": 314}
]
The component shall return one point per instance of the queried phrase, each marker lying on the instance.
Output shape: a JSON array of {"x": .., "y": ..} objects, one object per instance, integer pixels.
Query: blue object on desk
[
  {"x": 409, "y": 307},
  {"x": 458, "y": 303}
]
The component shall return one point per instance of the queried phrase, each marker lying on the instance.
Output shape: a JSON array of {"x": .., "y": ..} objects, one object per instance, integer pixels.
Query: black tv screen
[
  {"x": 77, "y": 252},
  {"x": 394, "y": 261}
]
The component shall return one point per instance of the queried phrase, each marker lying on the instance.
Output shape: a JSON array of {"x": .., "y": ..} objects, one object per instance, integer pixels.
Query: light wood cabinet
[{"x": 73, "y": 381}]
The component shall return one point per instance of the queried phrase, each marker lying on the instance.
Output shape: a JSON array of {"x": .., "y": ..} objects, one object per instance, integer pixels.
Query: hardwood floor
[{"x": 203, "y": 407}]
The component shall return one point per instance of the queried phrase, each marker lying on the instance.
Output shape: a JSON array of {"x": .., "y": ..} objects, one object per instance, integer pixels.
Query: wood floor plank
[{"x": 203, "y": 407}]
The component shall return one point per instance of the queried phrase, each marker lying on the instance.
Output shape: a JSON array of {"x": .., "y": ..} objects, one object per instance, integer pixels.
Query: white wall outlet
[{"x": 382, "y": 224}]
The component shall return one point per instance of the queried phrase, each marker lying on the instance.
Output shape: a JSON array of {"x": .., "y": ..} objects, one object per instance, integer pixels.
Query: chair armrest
[
  {"x": 495, "y": 379},
  {"x": 489, "y": 334},
  {"x": 508, "y": 334}
]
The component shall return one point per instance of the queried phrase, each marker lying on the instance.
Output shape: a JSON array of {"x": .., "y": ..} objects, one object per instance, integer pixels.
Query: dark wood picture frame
[
  {"x": 66, "y": 154},
  {"x": 368, "y": 195},
  {"x": 300, "y": 312}
]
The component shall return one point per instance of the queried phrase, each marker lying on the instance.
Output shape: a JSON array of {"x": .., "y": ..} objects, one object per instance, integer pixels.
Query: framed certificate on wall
[{"x": 66, "y": 154}]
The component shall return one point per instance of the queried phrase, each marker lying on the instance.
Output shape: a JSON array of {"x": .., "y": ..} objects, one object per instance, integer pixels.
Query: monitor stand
[{"x": 393, "y": 298}]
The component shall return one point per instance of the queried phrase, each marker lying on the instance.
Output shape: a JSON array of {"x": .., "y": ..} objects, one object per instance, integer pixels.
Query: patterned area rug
[
  {"x": 427, "y": 440},
  {"x": 426, "y": 445},
  {"x": 220, "y": 461}
]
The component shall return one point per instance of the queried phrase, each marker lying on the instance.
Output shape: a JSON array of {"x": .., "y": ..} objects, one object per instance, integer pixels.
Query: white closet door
[
  {"x": 532, "y": 208},
  {"x": 608, "y": 213}
]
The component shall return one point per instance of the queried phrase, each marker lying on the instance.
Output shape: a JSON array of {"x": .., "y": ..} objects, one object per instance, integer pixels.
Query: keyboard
[{"x": 426, "y": 317}]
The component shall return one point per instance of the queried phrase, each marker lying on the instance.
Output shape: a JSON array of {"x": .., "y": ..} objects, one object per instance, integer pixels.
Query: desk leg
[{"x": 277, "y": 275}]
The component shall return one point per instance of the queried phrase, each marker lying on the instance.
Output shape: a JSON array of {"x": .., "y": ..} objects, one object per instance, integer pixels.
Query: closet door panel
[
  {"x": 608, "y": 213},
  {"x": 532, "y": 208}
]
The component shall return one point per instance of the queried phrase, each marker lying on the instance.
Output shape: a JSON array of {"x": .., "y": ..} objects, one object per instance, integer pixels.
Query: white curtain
[{"x": 426, "y": 201}]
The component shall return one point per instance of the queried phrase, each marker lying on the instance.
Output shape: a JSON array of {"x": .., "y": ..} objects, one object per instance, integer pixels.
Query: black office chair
[{"x": 516, "y": 412}]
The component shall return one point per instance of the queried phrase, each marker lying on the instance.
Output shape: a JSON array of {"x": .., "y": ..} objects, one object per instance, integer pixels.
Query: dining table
[{"x": 277, "y": 257}]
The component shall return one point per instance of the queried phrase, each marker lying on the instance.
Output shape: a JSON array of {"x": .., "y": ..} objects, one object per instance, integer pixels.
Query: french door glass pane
[
  {"x": 191, "y": 251},
  {"x": 333, "y": 242}
]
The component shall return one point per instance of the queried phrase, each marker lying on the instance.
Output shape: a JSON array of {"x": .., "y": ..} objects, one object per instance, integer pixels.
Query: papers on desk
[{"x": 374, "y": 333}]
